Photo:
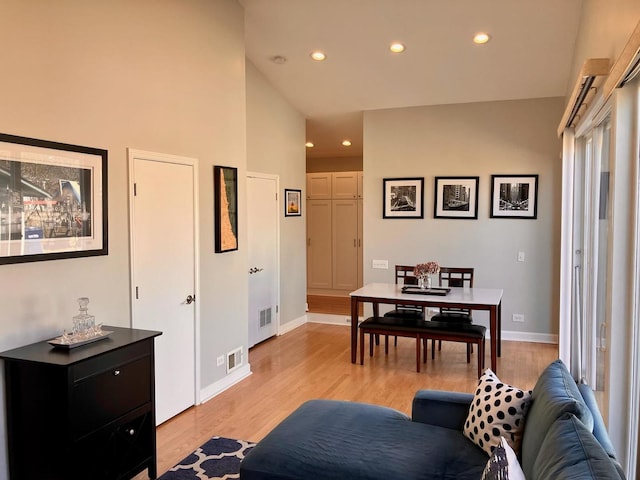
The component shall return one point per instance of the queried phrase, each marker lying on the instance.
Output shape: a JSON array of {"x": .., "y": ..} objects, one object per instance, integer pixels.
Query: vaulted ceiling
[{"x": 529, "y": 55}]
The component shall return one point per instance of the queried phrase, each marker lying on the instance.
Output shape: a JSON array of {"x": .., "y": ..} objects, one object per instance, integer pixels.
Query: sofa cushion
[
  {"x": 503, "y": 464},
  {"x": 554, "y": 394},
  {"x": 331, "y": 440},
  {"x": 569, "y": 451},
  {"x": 497, "y": 410}
]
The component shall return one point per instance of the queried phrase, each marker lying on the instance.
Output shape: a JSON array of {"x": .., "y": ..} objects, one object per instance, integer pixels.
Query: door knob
[{"x": 190, "y": 299}]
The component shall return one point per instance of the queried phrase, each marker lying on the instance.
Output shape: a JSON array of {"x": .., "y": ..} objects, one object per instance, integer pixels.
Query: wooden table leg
[
  {"x": 354, "y": 328},
  {"x": 493, "y": 328}
]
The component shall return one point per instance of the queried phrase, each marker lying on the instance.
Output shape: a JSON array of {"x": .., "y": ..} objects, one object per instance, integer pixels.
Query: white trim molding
[{"x": 225, "y": 383}]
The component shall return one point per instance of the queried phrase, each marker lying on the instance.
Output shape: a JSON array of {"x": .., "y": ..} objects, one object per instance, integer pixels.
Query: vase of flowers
[{"x": 423, "y": 272}]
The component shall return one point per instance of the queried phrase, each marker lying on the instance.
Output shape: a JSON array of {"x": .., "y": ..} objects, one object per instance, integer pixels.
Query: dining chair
[
  {"x": 455, "y": 277},
  {"x": 404, "y": 276}
]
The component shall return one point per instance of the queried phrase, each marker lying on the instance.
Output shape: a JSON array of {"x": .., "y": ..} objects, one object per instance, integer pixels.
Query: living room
[{"x": 173, "y": 78}]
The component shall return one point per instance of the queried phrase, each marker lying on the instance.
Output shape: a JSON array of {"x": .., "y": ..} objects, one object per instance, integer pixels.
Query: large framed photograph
[
  {"x": 514, "y": 196},
  {"x": 403, "y": 197},
  {"x": 292, "y": 203},
  {"x": 53, "y": 200},
  {"x": 225, "y": 192},
  {"x": 456, "y": 197}
]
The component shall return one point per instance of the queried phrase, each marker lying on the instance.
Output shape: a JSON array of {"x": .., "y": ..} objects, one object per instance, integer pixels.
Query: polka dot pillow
[{"x": 498, "y": 410}]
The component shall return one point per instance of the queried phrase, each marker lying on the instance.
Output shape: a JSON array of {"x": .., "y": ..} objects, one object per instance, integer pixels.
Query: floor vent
[
  {"x": 265, "y": 317},
  {"x": 234, "y": 360}
]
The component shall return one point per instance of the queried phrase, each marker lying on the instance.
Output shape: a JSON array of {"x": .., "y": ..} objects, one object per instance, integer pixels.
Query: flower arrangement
[{"x": 421, "y": 270}]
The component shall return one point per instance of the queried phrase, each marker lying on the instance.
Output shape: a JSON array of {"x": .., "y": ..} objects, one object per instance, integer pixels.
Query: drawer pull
[
  {"x": 131, "y": 432},
  {"x": 116, "y": 373}
]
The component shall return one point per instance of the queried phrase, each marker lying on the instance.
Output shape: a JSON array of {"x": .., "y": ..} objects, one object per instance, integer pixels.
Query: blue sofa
[{"x": 564, "y": 437}]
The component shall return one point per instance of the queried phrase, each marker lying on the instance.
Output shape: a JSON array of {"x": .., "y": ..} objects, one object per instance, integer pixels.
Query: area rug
[{"x": 218, "y": 459}]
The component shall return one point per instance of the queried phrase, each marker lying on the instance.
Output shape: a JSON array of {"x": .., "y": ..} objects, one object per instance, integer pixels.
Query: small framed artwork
[
  {"x": 403, "y": 197},
  {"x": 292, "y": 203},
  {"x": 225, "y": 193},
  {"x": 514, "y": 196},
  {"x": 456, "y": 197},
  {"x": 53, "y": 200}
]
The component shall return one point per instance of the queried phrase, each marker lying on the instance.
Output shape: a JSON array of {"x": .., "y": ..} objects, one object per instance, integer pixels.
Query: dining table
[{"x": 472, "y": 298}]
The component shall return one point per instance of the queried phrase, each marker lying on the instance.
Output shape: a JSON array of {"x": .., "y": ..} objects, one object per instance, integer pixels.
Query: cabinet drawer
[
  {"x": 107, "y": 361},
  {"x": 118, "y": 451},
  {"x": 103, "y": 397}
]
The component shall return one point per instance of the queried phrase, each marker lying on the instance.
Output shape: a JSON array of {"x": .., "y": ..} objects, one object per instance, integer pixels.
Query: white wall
[
  {"x": 480, "y": 139},
  {"x": 161, "y": 76},
  {"x": 275, "y": 145}
]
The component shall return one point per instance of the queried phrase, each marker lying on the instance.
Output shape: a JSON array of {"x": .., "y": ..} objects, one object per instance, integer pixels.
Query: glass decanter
[{"x": 83, "y": 323}]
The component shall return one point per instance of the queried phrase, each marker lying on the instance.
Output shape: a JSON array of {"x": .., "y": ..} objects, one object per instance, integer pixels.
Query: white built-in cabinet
[{"x": 334, "y": 232}]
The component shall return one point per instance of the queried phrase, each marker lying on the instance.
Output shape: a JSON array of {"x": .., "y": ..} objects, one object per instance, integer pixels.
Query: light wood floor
[{"x": 313, "y": 362}]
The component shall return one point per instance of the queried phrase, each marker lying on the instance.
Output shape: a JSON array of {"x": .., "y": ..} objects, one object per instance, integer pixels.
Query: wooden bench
[{"x": 423, "y": 330}]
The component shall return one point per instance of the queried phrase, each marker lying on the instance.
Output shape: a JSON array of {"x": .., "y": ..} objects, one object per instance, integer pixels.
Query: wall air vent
[{"x": 234, "y": 359}]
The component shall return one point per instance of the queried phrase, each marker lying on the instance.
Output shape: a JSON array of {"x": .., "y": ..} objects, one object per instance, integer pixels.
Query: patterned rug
[{"x": 218, "y": 459}]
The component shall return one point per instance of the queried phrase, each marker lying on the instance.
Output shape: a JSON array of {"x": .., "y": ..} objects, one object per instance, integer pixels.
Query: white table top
[{"x": 391, "y": 291}]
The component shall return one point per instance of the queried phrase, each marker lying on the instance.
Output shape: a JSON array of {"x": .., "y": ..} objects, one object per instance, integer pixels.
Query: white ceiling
[{"x": 529, "y": 56}]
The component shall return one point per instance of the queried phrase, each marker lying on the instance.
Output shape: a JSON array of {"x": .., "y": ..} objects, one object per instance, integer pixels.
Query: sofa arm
[{"x": 443, "y": 409}]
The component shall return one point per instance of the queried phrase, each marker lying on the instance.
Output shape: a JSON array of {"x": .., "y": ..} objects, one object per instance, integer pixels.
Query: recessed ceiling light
[
  {"x": 346, "y": 143},
  {"x": 481, "y": 38},
  {"x": 309, "y": 144},
  {"x": 318, "y": 56},
  {"x": 397, "y": 47}
]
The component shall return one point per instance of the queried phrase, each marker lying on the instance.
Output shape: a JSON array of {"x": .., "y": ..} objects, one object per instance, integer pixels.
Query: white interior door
[
  {"x": 262, "y": 206},
  {"x": 164, "y": 271}
]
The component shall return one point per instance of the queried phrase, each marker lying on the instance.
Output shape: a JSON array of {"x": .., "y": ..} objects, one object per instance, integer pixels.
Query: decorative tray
[
  {"x": 426, "y": 291},
  {"x": 60, "y": 342}
]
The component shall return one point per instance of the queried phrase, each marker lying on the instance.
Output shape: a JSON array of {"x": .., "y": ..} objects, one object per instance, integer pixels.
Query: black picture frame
[
  {"x": 292, "y": 202},
  {"x": 53, "y": 200},
  {"x": 225, "y": 192},
  {"x": 403, "y": 197},
  {"x": 456, "y": 198},
  {"x": 514, "y": 196}
]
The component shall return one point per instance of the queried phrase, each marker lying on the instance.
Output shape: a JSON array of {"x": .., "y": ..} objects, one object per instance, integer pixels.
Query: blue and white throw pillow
[
  {"x": 503, "y": 464},
  {"x": 498, "y": 410}
]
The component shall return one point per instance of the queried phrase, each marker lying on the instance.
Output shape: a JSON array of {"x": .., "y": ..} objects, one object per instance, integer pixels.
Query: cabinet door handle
[
  {"x": 354, "y": 242},
  {"x": 131, "y": 432},
  {"x": 116, "y": 373}
]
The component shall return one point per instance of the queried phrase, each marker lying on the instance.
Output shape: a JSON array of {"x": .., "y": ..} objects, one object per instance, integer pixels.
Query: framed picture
[
  {"x": 225, "y": 193},
  {"x": 403, "y": 197},
  {"x": 53, "y": 200},
  {"x": 514, "y": 196},
  {"x": 292, "y": 203},
  {"x": 456, "y": 197}
]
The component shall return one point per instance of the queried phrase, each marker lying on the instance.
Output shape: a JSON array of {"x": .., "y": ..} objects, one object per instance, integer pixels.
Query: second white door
[{"x": 262, "y": 206}]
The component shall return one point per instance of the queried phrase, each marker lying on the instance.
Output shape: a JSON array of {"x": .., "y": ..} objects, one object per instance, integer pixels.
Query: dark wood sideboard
[{"x": 82, "y": 413}]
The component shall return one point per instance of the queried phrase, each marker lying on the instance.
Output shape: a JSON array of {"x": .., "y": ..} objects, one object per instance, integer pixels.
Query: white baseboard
[
  {"x": 329, "y": 319},
  {"x": 529, "y": 337},
  {"x": 292, "y": 325},
  {"x": 223, "y": 384}
]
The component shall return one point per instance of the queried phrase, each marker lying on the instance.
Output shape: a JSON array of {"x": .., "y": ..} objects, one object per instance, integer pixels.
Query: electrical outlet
[
  {"x": 518, "y": 317},
  {"x": 383, "y": 264},
  {"x": 521, "y": 256},
  {"x": 220, "y": 360}
]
